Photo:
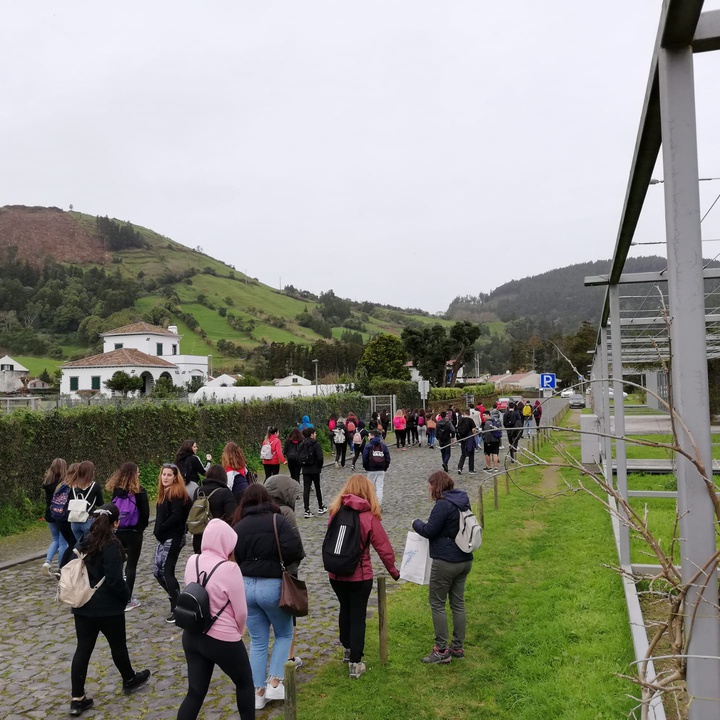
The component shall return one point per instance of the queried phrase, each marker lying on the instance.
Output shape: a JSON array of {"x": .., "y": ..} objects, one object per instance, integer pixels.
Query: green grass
[
  {"x": 547, "y": 628},
  {"x": 641, "y": 452},
  {"x": 36, "y": 365}
]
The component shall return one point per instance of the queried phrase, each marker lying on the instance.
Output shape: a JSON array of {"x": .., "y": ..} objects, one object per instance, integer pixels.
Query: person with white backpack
[
  {"x": 85, "y": 495},
  {"x": 104, "y": 612},
  {"x": 271, "y": 453}
]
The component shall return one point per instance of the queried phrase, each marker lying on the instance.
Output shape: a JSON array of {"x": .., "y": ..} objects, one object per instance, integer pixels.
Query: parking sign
[{"x": 547, "y": 381}]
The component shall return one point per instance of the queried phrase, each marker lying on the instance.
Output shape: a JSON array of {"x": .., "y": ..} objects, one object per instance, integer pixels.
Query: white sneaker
[
  {"x": 46, "y": 569},
  {"x": 261, "y": 701},
  {"x": 275, "y": 693},
  {"x": 134, "y": 603},
  {"x": 356, "y": 669}
]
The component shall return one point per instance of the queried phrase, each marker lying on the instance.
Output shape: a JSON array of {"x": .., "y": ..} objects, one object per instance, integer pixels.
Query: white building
[
  {"x": 291, "y": 380},
  {"x": 12, "y": 374},
  {"x": 223, "y": 381},
  {"x": 140, "y": 349}
]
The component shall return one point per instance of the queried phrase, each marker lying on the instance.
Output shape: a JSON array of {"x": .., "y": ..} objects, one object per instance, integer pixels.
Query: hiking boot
[
  {"x": 438, "y": 656},
  {"x": 346, "y": 655},
  {"x": 356, "y": 669},
  {"x": 308, "y": 514},
  {"x": 78, "y": 707},
  {"x": 140, "y": 679},
  {"x": 457, "y": 652}
]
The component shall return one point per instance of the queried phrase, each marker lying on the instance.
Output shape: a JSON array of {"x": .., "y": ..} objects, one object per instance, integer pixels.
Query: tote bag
[{"x": 416, "y": 563}]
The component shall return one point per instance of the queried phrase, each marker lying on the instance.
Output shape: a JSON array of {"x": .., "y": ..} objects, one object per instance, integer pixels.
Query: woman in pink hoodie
[
  {"x": 353, "y": 591},
  {"x": 222, "y": 644}
]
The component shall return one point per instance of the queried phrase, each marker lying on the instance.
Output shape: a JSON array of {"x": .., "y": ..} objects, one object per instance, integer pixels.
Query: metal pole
[
  {"x": 599, "y": 390},
  {"x": 619, "y": 414},
  {"x": 315, "y": 363},
  {"x": 689, "y": 374}
]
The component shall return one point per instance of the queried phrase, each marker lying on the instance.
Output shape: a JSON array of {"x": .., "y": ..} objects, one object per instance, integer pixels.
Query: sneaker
[
  {"x": 438, "y": 656},
  {"x": 78, "y": 707},
  {"x": 472, "y": 472},
  {"x": 337, "y": 464},
  {"x": 457, "y": 652},
  {"x": 57, "y": 576},
  {"x": 346, "y": 655},
  {"x": 459, "y": 472},
  {"x": 275, "y": 693},
  {"x": 487, "y": 469},
  {"x": 308, "y": 514},
  {"x": 445, "y": 467},
  {"x": 322, "y": 511},
  {"x": 297, "y": 660},
  {"x": 356, "y": 669},
  {"x": 170, "y": 619},
  {"x": 352, "y": 467},
  {"x": 140, "y": 679},
  {"x": 46, "y": 569},
  {"x": 260, "y": 701},
  {"x": 134, "y": 603}
]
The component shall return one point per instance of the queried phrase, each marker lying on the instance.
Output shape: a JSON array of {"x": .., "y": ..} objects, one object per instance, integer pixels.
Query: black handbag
[{"x": 293, "y": 592}]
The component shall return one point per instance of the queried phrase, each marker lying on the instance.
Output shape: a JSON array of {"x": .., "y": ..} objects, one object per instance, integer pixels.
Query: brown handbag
[{"x": 293, "y": 592}]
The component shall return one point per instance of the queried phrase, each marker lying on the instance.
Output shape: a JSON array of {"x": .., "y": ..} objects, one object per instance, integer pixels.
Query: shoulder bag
[{"x": 293, "y": 592}]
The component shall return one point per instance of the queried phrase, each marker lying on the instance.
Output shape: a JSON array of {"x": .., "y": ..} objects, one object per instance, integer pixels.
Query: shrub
[{"x": 406, "y": 392}]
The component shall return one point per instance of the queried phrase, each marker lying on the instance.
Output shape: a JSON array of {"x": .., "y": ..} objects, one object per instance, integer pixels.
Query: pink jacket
[
  {"x": 218, "y": 543},
  {"x": 399, "y": 423},
  {"x": 370, "y": 528},
  {"x": 276, "y": 447}
]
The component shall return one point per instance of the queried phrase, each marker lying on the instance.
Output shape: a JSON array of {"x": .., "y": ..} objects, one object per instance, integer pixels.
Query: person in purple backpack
[{"x": 131, "y": 500}]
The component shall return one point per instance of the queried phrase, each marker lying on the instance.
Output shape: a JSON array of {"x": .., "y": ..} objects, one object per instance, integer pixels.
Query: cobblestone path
[{"x": 37, "y": 637}]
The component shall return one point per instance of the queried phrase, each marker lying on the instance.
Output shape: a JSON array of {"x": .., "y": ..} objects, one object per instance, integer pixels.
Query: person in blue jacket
[
  {"x": 450, "y": 567},
  {"x": 305, "y": 423}
]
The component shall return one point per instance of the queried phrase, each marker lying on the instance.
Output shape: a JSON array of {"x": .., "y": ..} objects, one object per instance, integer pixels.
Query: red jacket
[
  {"x": 277, "y": 452},
  {"x": 370, "y": 528}
]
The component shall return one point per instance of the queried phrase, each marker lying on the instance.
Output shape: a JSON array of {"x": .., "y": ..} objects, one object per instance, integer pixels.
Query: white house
[
  {"x": 140, "y": 349},
  {"x": 223, "y": 380},
  {"x": 291, "y": 380},
  {"x": 524, "y": 381},
  {"x": 12, "y": 374}
]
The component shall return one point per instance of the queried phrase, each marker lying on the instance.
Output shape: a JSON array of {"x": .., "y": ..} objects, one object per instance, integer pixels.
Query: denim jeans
[
  {"x": 263, "y": 598},
  {"x": 431, "y": 437},
  {"x": 57, "y": 544},
  {"x": 377, "y": 478},
  {"x": 445, "y": 454},
  {"x": 79, "y": 529}
]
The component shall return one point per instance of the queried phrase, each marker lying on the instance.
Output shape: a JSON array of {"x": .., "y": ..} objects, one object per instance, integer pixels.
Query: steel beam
[
  {"x": 689, "y": 375},
  {"x": 711, "y": 273},
  {"x": 707, "y": 34}
]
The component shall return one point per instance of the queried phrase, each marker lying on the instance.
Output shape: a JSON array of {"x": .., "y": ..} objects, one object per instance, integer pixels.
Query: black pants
[
  {"x": 358, "y": 451},
  {"x": 66, "y": 531},
  {"x": 400, "y": 438},
  {"x": 294, "y": 468},
  {"x": 513, "y": 440},
  {"x": 445, "y": 454},
  {"x": 340, "y": 451},
  {"x": 353, "y": 597},
  {"x": 469, "y": 455},
  {"x": 308, "y": 481},
  {"x": 203, "y": 653},
  {"x": 271, "y": 470},
  {"x": 87, "y": 630},
  {"x": 413, "y": 435},
  {"x": 132, "y": 542}
]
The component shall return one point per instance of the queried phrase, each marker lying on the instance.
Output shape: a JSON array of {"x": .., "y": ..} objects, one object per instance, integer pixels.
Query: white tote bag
[{"x": 416, "y": 564}]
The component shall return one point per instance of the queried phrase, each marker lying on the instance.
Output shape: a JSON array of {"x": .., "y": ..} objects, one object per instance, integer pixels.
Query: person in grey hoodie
[{"x": 450, "y": 567}]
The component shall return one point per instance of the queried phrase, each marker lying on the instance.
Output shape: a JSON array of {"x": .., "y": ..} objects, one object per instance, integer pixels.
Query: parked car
[
  {"x": 576, "y": 401},
  {"x": 610, "y": 394},
  {"x": 568, "y": 392},
  {"x": 502, "y": 403},
  {"x": 516, "y": 399}
]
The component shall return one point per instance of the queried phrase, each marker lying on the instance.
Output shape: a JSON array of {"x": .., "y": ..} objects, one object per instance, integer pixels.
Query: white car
[
  {"x": 610, "y": 394},
  {"x": 567, "y": 392}
]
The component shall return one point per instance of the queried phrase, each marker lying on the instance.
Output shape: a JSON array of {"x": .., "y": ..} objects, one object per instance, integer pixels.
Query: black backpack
[
  {"x": 376, "y": 457},
  {"x": 304, "y": 456},
  {"x": 192, "y": 610},
  {"x": 342, "y": 547}
]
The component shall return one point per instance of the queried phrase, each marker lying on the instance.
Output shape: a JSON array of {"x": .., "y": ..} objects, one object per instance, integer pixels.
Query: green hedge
[
  {"x": 145, "y": 434},
  {"x": 406, "y": 392},
  {"x": 484, "y": 390}
]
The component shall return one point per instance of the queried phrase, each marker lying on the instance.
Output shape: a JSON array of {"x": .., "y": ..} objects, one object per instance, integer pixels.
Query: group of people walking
[{"x": 251, "y": 537}]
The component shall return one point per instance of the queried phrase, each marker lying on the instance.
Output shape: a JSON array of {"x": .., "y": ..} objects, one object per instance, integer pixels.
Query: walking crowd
[{"x": 246, "y": 542}]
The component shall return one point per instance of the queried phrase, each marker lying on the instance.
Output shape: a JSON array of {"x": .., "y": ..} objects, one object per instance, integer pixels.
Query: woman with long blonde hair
[
  {"x": 173, "y": 507},
  {"x": 358, "y": 498}
]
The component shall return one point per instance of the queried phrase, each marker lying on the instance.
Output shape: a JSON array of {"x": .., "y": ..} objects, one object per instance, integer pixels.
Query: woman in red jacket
[
  {"x": 353, "y": 591},
  {"x": 271, "y": 453}
]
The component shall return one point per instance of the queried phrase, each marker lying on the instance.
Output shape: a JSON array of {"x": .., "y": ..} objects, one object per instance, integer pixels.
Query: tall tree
[{"x": 384, "y": 356}]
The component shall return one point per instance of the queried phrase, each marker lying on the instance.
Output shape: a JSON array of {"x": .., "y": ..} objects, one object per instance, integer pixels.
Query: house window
[
  {"x": 7, "y": 368},
  {"x": 118, "y": 346},
  {"x": 74, "y": 383},
  {"x": 95, "y": 382},
  {"x": 174, "y": 349},
  {"x": 159, "y": 349},
  {"x": 294, "y": 380}
]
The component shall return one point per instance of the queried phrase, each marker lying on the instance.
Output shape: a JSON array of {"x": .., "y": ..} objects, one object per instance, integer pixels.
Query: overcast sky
[{"x": 403, "y": 152}]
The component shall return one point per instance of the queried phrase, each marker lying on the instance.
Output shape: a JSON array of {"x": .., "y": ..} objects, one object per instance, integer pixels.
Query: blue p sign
[{"x": 547, "y": 381}]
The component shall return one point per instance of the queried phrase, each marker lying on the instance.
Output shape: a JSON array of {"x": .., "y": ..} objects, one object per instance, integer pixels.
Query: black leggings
[
  {"x": 294, "y": 468},
  {"x": 132, "y": 542},
  {"x": 400, "y": 438},
  {"x": 66, "y": 531},
  {"x": 308, "y": 481},
  {"x": 353, "y": 597},
  {"x": 203, "y": 653},
  {"x": 271, "y": 470},
  {"x": 87, "y": 630}
]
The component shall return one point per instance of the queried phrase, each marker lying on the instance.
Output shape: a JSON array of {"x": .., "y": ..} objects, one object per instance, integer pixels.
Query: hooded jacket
[
  {"x": 218, "y": 544},
  {"x": 190, "y": 467},
  {"x": 286, "y": 492},
  {"x": 305, "y": 423},
  {"x": 443, "y": 525},
  {"x": 444, "y": 431},
  {"x": 371, "y": 444},
  {"x": 222, "y": 502},
  {"x": 372, "y": 533}
]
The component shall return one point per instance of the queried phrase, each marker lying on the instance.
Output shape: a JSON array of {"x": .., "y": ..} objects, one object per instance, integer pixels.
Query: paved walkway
[{"x": 37, "y": 636}]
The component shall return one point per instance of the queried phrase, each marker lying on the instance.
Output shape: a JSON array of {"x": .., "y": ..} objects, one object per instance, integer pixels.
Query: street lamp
[{"x": 315, "y": 363}]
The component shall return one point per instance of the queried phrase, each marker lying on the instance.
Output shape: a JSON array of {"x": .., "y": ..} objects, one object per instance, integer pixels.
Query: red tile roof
[
  {"x": 138, "y": 328},
  {"x": 123, "y": 357}
]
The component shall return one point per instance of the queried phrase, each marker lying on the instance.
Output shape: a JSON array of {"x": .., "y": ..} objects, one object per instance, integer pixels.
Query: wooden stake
[{"x": 382, "y": 619}]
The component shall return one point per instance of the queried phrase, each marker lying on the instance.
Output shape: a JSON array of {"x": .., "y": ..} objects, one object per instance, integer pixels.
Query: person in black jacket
[
  {"x": 173, "y": 506},
  {"x": 466, "y": 432},
  {"x": 128, "y": 493},
  {"x": 220, "y": 496},
  {"x": 445, "y": 433},
  {"x": 512, "y": 422},
  {"x": 311, "y": 470},
  {"x": 292, "y": 451},
  {"x": 450, "y": 567},
  {"x": 105, "y": 611},
  {"x": 257, "y": 555},
  {"x": 190, "y": 466}
]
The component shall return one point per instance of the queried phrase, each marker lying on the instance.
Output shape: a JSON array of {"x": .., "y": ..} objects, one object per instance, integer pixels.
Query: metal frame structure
[{"x": 678, "y": 318}]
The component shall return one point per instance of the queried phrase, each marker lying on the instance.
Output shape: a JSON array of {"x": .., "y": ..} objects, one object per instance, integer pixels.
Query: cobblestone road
[{"x": 37, "y": 636}]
